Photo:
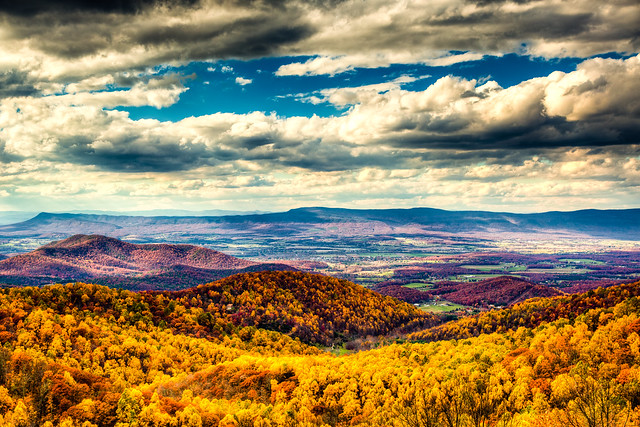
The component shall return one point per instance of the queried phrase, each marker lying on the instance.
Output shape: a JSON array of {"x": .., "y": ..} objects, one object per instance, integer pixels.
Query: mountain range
[{"x": 618, "y": 224}]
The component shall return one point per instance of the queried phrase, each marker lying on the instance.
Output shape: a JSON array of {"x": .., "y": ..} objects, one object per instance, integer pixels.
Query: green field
[
  {"x": 440, "y": 307},
  {"x": 559, "y": 270},
  {"x": 418, "y": 285},
  {"x": 506, "y": 266}
]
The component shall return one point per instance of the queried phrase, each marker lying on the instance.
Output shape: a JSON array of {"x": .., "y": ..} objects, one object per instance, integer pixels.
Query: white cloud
[
  {"x": 452, "y": 113},
  {"x": 139, "y": 95},
  {"x": 320, "y": 65},
  {"x": 479, "y": 142},
  {"x": 447, "y": 60},
  {"x": 597, "y": 87},
  {"x": 242, "y": 81},
  {"x": 355, "y": 95},
  {"x": 91, "y": 84},
  {"x": 341, "y": 64}
]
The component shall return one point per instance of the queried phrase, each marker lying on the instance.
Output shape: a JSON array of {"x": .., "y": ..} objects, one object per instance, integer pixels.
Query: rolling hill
[
  {"x": 498, "y": 291},
  {"x": 534, "y": 312},
  {"x": 314, "y": 308},
  {"x": 111, "y": 261}
]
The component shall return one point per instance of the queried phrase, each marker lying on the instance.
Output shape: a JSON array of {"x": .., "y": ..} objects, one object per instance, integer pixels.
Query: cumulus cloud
[
  {"x": 67, "y": 41},
  {"x": 593, "y": 105},
  {"x": 453, "y": 121},
  {"x": 74, "y": 45},
  {"x": 157, "y": 93},
  {"x": 354, "y": 95},
  {"x": 243, "y": 81}
]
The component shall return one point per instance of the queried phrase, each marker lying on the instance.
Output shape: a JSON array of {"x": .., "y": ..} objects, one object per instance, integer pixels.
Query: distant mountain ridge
[
  {"x": 619, "y": 224},
  {"x": 130, "y": 265}
]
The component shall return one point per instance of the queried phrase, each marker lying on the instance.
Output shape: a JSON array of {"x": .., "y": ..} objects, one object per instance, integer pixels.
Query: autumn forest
[{"x": 298, "y": 349}]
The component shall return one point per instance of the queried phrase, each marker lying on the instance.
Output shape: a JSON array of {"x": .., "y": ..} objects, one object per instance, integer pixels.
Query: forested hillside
[
  {"x": 531, "y": 313},
  {"x": 497, "y": 291},
  {"x": 95, "y": 255},
  {"x": 117, "y": 263},
  {"x": 87, "y": 355}
]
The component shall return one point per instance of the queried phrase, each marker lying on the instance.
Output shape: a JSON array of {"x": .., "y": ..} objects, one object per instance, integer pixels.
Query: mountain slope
[
  {"x": 81, "y": 354},
  {"x": 85, "y": 257},
  {"x": 534, "y": 312},
  {"x": 503, "y": 291},
  {"x": 314, "y": 308}
]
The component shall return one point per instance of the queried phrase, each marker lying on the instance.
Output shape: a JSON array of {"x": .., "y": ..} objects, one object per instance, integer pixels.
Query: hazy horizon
[{"x": 223, "y": 212}]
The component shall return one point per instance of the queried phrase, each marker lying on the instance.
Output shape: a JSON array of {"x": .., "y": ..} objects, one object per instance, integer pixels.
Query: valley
[
  {"x": 562, "y": 249},
  {"x": 316, "y": 322}
]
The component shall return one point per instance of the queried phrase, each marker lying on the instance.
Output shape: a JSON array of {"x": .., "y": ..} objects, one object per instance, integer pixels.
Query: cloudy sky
[{"x": 273, "y": 104}]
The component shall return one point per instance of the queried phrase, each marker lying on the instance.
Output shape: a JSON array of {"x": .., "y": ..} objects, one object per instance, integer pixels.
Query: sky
[{"x": 131, "y": 105}]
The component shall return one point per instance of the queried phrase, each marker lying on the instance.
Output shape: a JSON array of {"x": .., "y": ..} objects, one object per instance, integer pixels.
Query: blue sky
[
  {"x": 270, "y": 105},
  {"x": 213, "y": 87}
]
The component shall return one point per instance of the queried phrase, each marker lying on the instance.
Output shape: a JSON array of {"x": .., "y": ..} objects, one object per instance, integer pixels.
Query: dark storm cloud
[
  {"x": 168, "y": 161},
  {"x": 6, "y": 157},
  {"x": 252, "y": 30},
  {"x": 494, "y": 2},
  {"x": 337, "y": 160},
  {"x": 200, "y": 36},
  {"x": 252, "y": 143},
  {"x": 30, "y": 8},
  {"x": 317, "y": 156},
  {"x": 16, "y": 83},
  {"x": 67, "y": 35},
  {"x": 139, "y": 153},
  {"x": 281, "y": 4},
  {"x": 135, "y": 34},
  {"x": 33, "y": 7},
  {"x": 246, "y": 38},
  {"x": 552, "y": 132},
  {"x": 133, "y": 153},
  {"x": 540, "y": 22},
  {"x": 535, "y": 22}
]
